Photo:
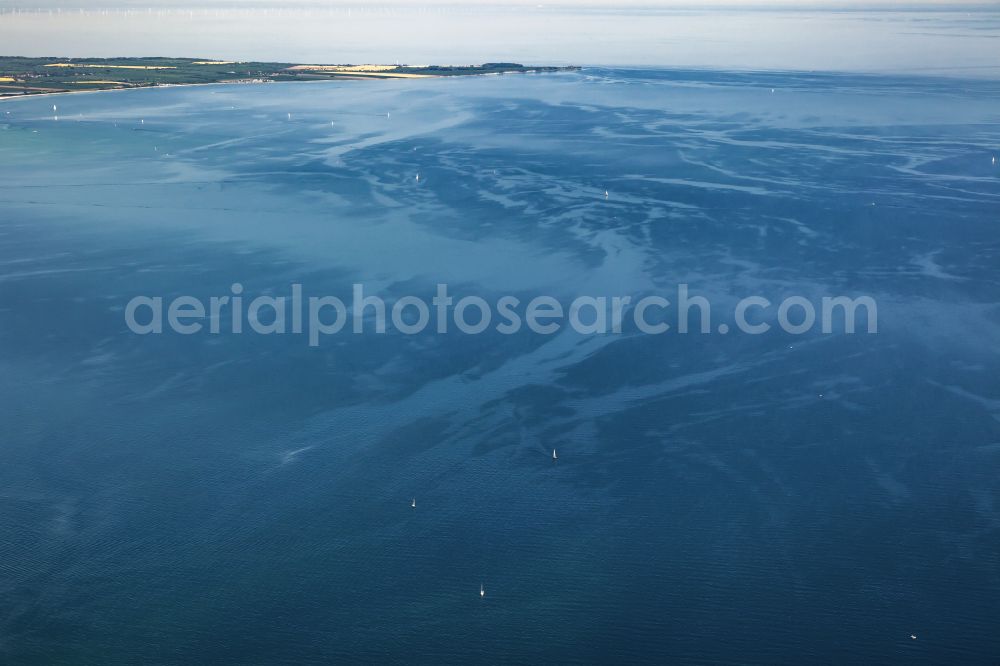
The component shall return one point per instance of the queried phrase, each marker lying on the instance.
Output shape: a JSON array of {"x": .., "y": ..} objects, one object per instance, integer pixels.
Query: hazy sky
[
  {"x": 948, "y": 41},
  {"x": 689, "y": 4}
]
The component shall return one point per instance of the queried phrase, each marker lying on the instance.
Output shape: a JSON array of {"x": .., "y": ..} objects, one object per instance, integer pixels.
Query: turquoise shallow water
[{"x": 718, "y": 498}]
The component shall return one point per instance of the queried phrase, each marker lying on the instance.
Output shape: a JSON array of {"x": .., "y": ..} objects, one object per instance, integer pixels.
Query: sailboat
[
  {"x": 482, "y": 592},
  {"x": 554, "y": 456}
]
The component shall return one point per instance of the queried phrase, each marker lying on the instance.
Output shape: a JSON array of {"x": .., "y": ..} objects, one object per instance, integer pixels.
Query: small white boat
[
  {"x": 482, "y": 592},
  {"x": 418, "y": 178},
  {"x": 554, "y": 456},
  {"x": 414, "y": 503},
  {"x": 606, "y": 195}
]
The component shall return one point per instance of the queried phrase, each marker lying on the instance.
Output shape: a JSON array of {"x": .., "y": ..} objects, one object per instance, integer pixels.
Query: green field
[{"x": 25, "y": 76}]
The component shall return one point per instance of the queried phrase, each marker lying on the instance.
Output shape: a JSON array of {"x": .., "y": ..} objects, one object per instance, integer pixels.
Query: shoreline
[
  {"x": 35, "y": 77},
  {"x": 4, "y": 98}
]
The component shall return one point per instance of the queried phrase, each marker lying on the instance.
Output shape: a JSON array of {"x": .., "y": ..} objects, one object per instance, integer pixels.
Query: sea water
[{"x": 718, "y": 498}]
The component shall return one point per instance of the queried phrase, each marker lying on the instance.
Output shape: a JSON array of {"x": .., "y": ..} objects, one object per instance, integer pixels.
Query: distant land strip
[{"x": 32, "y": 76}]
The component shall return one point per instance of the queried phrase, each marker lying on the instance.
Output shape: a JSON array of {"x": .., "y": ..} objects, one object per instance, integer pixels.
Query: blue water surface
[{"x": 718, "y": 498}]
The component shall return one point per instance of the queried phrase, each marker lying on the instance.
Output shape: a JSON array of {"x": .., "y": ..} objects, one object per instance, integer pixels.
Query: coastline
[
  {"x": 37, "y": 77},
  {"x": 5, "y": 98}
]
